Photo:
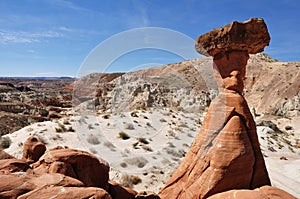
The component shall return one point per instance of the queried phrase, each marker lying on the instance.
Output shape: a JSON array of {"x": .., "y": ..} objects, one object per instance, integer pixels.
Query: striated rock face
[
  {"x": 59, "y": 173},
  {"x": 33, "y": 149},
  {"x": 225, "y": 154},
  {"x": 251, "y": 36},
  {"x": 260, "y": 193},
  {"x": 67, "y": 192},
  {"x": 15, "y": 184},
  {"x": 13, "y": 165},
  {"x": 77, "y": 164}
]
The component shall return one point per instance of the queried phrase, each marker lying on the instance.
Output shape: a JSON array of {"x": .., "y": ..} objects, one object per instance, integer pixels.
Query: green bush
[{"x": 124, "y": 135}]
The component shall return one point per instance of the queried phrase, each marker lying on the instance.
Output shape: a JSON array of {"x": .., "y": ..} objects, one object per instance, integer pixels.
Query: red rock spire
[{"x": 225, "y": 154}]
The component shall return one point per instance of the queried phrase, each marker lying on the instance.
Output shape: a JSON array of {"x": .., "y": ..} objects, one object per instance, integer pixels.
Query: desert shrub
[
  {"x": 58, "y": 130},
  {"x": 134, "y": 114},
  {"x": 190, "y": 135},
  {"x": 124, "y": 135},
  {"x": 92, "y": 139},
  {"x": 110, "y": 146},
  {"x": 183, "y": 125},
  {"x": 287, "y": 141},
  {"x": 130, "y": 180},
  {"x": 280, "y": 146},
  {"x": 291, "y": 149},
  {"x": 173, "y": 152},
  {"x": 123, "y": 164},
  {"x": 140, "y": 162},
  {"x": 134, "y": 145},
  {"x": 198, "y": 121},
  {"x": 147, "y": 148},
  {"x": 5, "y": 142},
  {"x": 143, "y": 140},
  {"x": 129, "y": 126},
  {"x": 61, "y": 128},
  {"x": 170, "y": 144},
  {"x": 162, "y": 120},
  {"x": 66, "y": 122},
  {"x": 288, "y": 128},
  {"x": 136, "y": 180},
  {"x": 90, "y": 127},
  {"x": 105, "y": 116},
  {"x": 57, "y": 137},
  {"x": 70, "y": 129}
]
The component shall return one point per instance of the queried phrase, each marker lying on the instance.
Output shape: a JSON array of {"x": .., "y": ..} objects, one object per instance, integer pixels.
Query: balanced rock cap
[{"x": 251, "y": 36}]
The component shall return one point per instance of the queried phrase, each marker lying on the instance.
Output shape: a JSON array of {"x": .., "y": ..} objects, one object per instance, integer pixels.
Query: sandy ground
[
  {"x": 149, "y": 145},
  {"x": 281, "y": 156}
]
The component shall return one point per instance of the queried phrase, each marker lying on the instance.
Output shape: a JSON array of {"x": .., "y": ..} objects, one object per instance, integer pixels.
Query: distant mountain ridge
[
  {"x": 40, "y": 78},
  {"x": 271, "y": 86}
]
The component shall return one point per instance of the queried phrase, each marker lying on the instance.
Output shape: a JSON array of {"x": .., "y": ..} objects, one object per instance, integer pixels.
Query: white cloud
[
  {"x": 26, "y": 37},
  {"x": 63, "y": 28},
  {"x": 69, "y": 5}
]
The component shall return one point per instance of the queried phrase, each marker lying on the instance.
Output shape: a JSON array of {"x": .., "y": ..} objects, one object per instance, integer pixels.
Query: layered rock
[
  {"x": 77, "y": 164},
  {"x": 60, "y": 192},
  {"x": 225, "y": 154},
  {"x": 259, "y": 193},
  {"x": 60, "y": 173},
  {"x": 251, "y": 36},
  {"x": 33, "y": 149}
]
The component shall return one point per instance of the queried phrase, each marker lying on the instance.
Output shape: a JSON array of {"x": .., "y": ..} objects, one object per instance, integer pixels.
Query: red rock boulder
[
  {"x": 13, "y": 185},
  {"x": 259, "y": 193},
  {"x": 78, "y": 164},
  {"x": 118, "y": 192},
  {"x": 33, "y": 149},
  {"x": 13, "y": 165},
  {"x": 67, "y": 192}
]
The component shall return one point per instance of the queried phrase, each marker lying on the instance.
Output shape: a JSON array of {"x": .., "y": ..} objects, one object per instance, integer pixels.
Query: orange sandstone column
[{"x": 225, "y": 154}]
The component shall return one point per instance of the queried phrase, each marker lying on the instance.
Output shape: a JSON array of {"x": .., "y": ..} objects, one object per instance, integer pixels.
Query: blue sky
[{"x": 54, "y": 37}]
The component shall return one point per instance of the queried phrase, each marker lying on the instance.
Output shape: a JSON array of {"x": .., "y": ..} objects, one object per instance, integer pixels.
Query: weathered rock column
[{"x": 225, "y": 154}]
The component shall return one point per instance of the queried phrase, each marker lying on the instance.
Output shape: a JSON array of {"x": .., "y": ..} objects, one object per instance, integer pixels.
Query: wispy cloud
[
  {"x": 65, "y": 29},
  {"x": 143, "y": 13},
  {"x": 69, "y": 5},
  {"x": 26, "y": 37},
  {"x": 138, "y": 17}
]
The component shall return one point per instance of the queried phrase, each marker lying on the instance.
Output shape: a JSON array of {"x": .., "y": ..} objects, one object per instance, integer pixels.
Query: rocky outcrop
[
  {"x": 225, "y": 154},
  {"x": 60, "y": 173},
  {"x": 60, "y": 192},
  {"x": 259, "y": 193},
  {"x": 77, "y": 164},
  {"x": 251, "y": 36},
  {"x": 33, "y": 149},
  {"x": 13, "y": 165},
  {"x": 16, "y": 184},
  {"x": 119, "y": 192}
]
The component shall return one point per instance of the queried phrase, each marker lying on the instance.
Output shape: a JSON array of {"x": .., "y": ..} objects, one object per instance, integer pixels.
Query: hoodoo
[{"x": 225, "y": 155}]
